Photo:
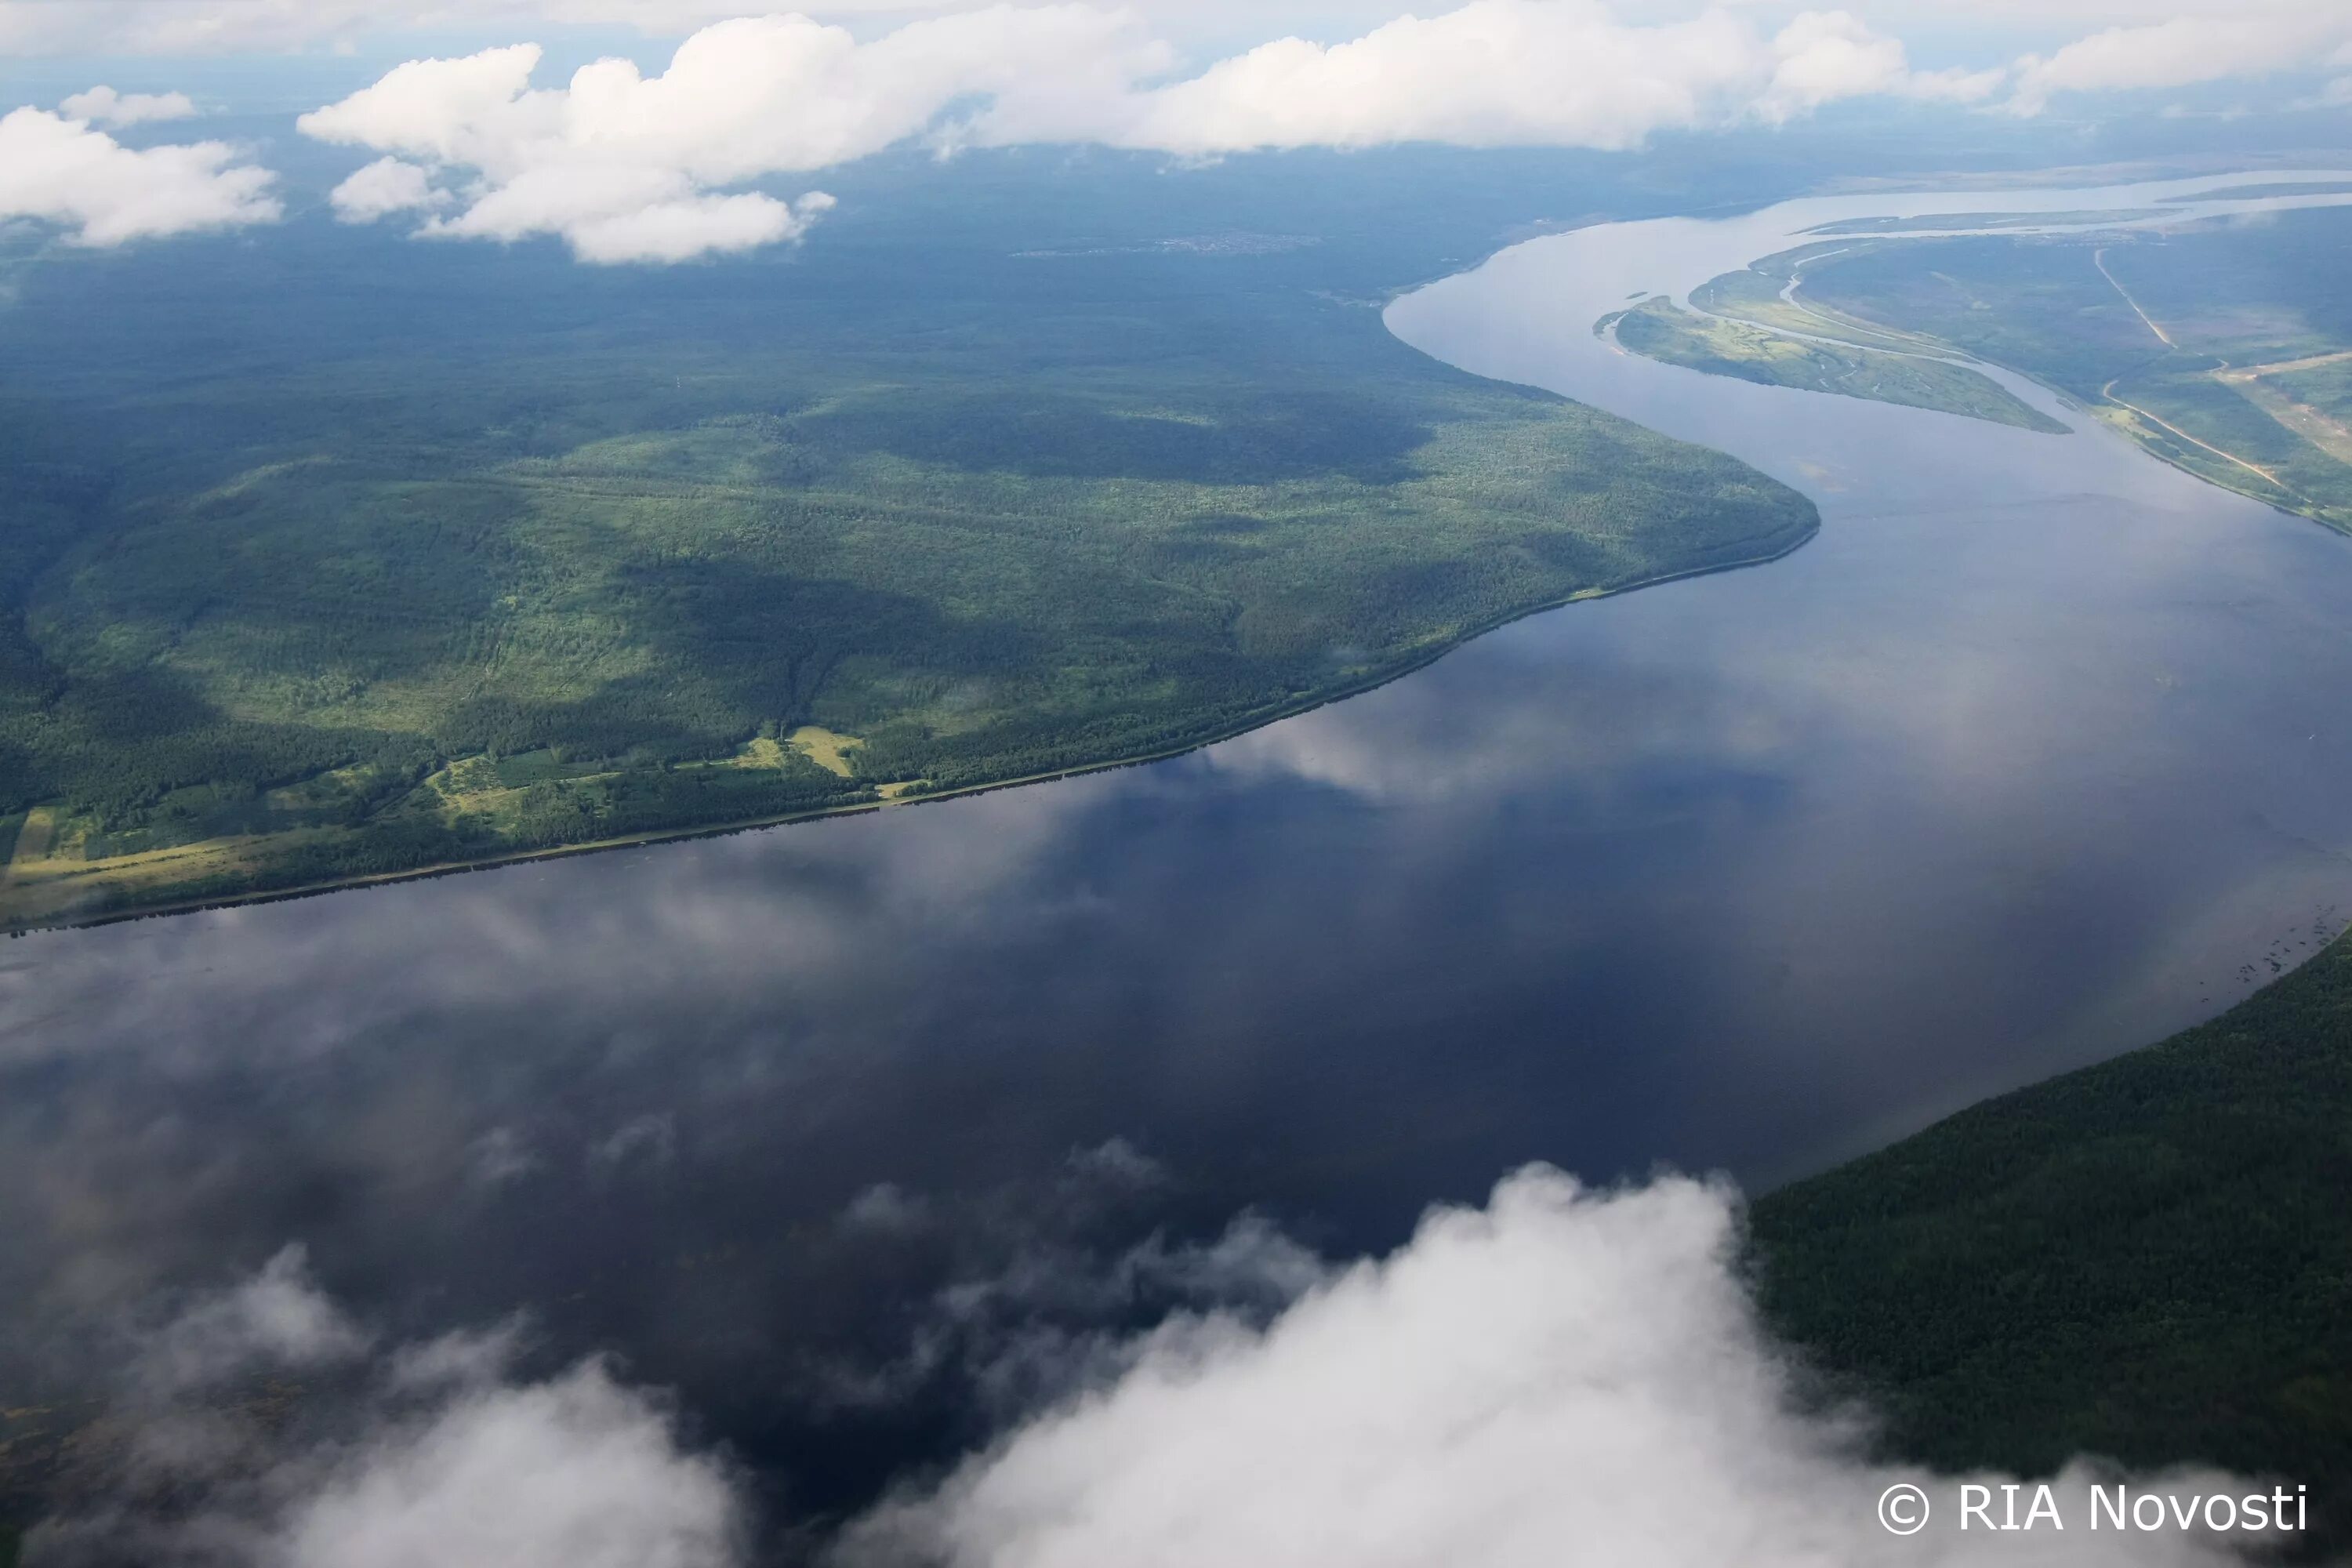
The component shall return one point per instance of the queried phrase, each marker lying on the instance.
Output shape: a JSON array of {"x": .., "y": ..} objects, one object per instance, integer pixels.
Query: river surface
[{"x": 2036, "y": 755}]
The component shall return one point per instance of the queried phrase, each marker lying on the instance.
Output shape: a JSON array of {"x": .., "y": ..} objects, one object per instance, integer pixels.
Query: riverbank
[
  {"x": 2144, "y": 1261},
  {"x": 16, "y": 919}
]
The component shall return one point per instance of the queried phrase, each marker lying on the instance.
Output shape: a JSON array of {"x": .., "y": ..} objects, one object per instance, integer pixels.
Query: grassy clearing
[
  {"x": 2310, "y": 397},
  {"x": 1758, "y": 295},
  {"x": 2221, "y": 348},
  {"x": 1932, "y": 223},
  {"x": 1748, "y": 351},
  {"x": 837, "y": 754}
]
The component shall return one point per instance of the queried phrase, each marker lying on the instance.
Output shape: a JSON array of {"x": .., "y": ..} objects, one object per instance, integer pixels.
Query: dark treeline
[{"x": 2149, "y": 1261}]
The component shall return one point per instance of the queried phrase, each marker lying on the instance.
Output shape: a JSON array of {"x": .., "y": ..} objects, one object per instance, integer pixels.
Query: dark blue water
[{"x": 2035, "y": 755}]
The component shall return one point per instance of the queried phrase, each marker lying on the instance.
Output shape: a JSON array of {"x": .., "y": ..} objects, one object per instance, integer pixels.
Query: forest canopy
[{"x": 436, "y": 564}]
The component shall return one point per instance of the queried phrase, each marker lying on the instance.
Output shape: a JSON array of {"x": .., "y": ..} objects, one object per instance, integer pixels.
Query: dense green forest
[
  {"x": 402, "y": 563},
  {"x": 2149, "y": 1260},
  {"x": 2223, "y": 346}
]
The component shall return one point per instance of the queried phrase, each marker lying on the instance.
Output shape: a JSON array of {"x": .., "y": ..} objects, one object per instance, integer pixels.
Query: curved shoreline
[
  {"x": 1419, "y": 661},
  {"x": 1927, "y": 198}
]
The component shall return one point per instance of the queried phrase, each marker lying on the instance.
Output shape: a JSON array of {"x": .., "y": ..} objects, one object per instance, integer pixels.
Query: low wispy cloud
[
  {"x": 648, "y": 1140},
  {"x": 501, "y": 1155},
  {"x": 104, "y": 106},
  {"x": 276, "y": 1321},
  {"x": 578, "y": 1471},
  {"x": 438, "y": 1452},
  {"x": 1031, "y": 1289},
  {"x": 1564, "y": 1377},
  {"x": 61, "y": 169}
]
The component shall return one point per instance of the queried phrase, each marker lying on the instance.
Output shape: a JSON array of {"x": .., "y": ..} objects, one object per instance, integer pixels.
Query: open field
[
  {"x": 1762, "y": 296},
  {"x": 2311, "y": 396},
  {"x": 1721, "y": 346},
  {"x": 1974, "y": 222},
  {"x": 2274, "y": 188},
  {"x": 2221, "y": 348}
]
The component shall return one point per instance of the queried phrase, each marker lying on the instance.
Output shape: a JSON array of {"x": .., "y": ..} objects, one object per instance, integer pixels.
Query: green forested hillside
[
  {"x": 346, "y": 592},
  {"x": 2149, "y": 1260}
]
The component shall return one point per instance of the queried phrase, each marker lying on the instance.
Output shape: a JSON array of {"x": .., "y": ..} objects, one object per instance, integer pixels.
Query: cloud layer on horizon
[
  {"x": 631, "y": 167},
  {"x": 1520, "y": 73},
  {"x": 165, "y": 28},
  {"x": 2183, "y": 51}
]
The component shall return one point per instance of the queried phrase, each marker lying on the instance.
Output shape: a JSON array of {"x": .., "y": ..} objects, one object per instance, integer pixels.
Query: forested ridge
[{"x": 336, "y": 598}]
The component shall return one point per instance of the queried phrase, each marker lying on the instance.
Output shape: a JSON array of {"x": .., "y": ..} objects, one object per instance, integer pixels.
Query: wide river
[{"x": 2036, "y": 755}]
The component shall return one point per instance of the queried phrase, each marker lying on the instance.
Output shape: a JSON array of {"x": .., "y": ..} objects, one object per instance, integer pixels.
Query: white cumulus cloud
[
  {"x": 741, "y": 99},
  {"x": 386, "y": 186},
  {"x": 105, "y": 106},
  {"x": 64, "y": 171},
  {"x": 1562, "y": 1379},
  {"x": 628, "y": 166}
]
